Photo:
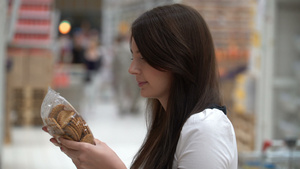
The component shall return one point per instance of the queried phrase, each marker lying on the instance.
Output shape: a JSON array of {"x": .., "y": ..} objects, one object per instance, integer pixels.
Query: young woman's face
[{"x": 152, "y": 82}]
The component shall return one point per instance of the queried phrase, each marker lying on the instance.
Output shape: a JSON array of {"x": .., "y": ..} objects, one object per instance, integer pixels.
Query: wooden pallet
[{"x": 26, "y": 105}]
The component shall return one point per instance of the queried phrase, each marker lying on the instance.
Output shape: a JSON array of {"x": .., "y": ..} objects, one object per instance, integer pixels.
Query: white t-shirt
[{"x": 207, "y": 141}]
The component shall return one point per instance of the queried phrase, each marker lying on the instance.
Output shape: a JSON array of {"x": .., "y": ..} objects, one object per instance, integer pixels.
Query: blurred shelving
[
  {"x": 230, "y": 23},
  {"x": 29, "y": 50},
  {"x": 32, "y": 23}
]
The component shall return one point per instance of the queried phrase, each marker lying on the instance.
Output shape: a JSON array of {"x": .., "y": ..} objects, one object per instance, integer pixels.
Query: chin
[{"x": 146, "y": 95}]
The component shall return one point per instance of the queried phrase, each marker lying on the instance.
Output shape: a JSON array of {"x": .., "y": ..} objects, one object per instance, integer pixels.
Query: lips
[{"x": 142, "y": 83}]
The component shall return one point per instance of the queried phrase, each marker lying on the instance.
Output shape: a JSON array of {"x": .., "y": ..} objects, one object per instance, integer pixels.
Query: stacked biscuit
[{"x": 68, "y": 124}]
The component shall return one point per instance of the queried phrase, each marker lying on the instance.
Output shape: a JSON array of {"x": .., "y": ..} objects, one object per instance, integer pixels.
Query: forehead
[{"x": 133, "y": 46}]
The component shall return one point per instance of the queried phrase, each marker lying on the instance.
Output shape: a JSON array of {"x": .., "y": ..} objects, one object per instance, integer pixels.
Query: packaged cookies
[{"x": 62, "y": 120}]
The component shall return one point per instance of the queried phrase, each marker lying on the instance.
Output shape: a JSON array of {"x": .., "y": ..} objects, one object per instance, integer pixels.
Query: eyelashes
[{"x": 131, "y": 58}]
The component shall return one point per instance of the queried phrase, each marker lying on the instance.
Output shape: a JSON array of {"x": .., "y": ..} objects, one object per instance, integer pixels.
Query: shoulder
[
  {"x": 208, "y": 119},
  {"x": 207, "y": 135},
  {"x": 206, "y": 125}
]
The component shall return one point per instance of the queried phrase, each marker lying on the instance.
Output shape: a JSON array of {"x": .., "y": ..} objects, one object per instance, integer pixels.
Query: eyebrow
[{"x": 135, "y": 51}]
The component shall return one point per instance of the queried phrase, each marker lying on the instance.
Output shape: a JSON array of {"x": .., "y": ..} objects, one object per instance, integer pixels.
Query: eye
[{"x": 131, "y": 58}]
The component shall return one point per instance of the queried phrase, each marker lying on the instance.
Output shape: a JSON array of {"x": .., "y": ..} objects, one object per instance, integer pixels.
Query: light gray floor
[{"x": 31, "y": 148}]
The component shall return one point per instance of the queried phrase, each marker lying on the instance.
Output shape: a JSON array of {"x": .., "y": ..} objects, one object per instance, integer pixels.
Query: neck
[{"x": 163, "y": 102}]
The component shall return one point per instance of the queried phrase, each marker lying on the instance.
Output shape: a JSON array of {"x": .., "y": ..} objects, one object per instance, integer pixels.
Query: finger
[
  {"x": 45, "y": 129},
  {"x": 54, "y": 141},
  {"x": 70, "y": 144}
]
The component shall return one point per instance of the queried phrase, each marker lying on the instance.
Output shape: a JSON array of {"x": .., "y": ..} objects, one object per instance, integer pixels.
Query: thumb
[{"x": 97, "y": 141}]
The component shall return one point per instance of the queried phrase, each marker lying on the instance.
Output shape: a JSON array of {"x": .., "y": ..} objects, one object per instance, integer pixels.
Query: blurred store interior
[{"x": 73, "y": 46}]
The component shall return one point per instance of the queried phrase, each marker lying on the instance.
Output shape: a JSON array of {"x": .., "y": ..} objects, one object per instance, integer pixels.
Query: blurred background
[{"x": 80, "y": 49}]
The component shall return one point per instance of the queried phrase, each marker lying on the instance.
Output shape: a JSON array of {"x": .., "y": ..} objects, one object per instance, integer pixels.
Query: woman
[{"x": 174, "y": 64}]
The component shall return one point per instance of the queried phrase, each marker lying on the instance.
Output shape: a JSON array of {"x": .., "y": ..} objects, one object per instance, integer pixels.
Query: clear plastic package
[{"x": 62, "y": 120}]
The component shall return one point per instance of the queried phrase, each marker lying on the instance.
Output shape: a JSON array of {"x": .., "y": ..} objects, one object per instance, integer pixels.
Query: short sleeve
[{"x": 207, "y": 141}]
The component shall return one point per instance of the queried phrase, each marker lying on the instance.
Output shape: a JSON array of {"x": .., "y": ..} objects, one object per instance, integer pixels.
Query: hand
[
  {"x": 52, "y": 140},
  {"x": 88, "y": 156}
]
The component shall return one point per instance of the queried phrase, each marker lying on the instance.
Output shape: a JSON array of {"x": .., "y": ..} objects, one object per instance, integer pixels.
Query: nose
[{"x": 133, "y": 68}]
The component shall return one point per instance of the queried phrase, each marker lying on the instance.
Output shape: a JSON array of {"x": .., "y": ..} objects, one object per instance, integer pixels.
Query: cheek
[
  {"x": 163, "y": 81},
  {"x": 158, "y": 79}
]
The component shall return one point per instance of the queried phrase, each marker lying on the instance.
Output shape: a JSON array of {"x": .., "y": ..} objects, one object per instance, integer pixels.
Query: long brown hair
[{"x": 175, "y": 38}]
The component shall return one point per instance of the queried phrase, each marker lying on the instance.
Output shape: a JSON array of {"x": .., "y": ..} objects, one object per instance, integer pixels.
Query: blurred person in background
[
  {"x": 81, "y": 39},
  {"x": 174, "y": 64},
  {"x": 93, "y": 63},
  {"x": 125, "y": 88},
  {"x": 92, "y": 58},
  {"x": 78, "y": 48},
  {"x": 65, "y": 49}
]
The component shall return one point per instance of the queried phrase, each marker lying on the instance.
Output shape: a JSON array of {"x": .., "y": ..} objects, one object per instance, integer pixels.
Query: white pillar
[
  {"x": 265, "y": 87},
  {"x": 3, "y": 6},
  {"x": 108, "y": 12}
]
